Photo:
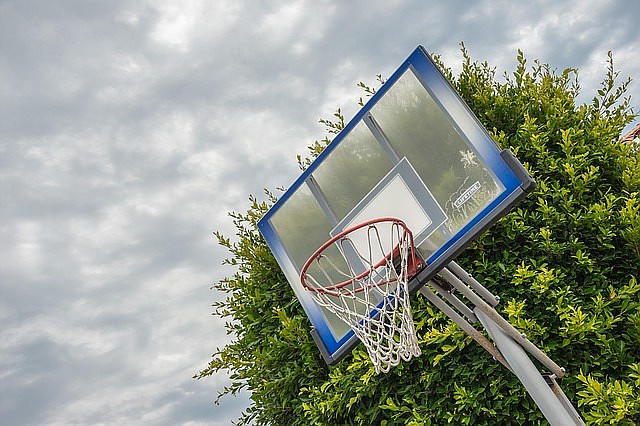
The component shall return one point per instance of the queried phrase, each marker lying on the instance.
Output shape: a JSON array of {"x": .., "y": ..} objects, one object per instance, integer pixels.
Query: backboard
[{"x": 416, "y": 152}]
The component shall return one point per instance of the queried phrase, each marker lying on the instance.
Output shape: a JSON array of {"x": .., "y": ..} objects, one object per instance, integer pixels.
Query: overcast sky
[{"x": 128, "y": 130}]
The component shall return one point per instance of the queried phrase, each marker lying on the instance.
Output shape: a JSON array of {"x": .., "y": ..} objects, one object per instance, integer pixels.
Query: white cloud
[
  {"x": 181, "y": 23},
  {"x": 28, "y": 253},
  {"x": 280, "y": 24},
  {"x": 130, "y": 129},
  {"x": 297, "y": 25}
]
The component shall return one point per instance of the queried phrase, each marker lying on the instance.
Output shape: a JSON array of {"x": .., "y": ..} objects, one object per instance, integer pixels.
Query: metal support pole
[
  {"x": 503, "y": 323},
  {"x": 475, "y": 285},
  {"x": 548, "y": 401},
  {"x": 447, "y": 294},
  {"x": 511, "y": 346},
  {"x": 555, "y": 388},
  {"x": 464, "y": 325}
]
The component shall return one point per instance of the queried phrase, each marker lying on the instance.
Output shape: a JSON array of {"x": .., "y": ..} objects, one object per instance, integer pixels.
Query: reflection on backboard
[{"x": 416, "y": 152}]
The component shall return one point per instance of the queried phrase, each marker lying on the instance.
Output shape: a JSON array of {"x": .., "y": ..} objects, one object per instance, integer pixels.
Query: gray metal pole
[
  {"x": 489, "y": 297},
  {"x": 556, "y": 413},
  {"x": 465, "y": 326},
  {"x": 503, "y": 323}
]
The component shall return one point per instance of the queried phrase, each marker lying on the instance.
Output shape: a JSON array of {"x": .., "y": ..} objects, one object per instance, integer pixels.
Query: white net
[{"x": 362, "y": 277}]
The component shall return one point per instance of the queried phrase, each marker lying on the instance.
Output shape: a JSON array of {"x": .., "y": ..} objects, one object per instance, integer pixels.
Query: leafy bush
[{"x": 566, "y": 263}]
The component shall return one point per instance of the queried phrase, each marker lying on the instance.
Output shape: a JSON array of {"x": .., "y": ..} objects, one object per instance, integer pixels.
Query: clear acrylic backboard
[{"x": 415, "y": 151}]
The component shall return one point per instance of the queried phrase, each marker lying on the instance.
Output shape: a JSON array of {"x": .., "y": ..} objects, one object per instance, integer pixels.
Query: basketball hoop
[{"x": 361, "y": 275}]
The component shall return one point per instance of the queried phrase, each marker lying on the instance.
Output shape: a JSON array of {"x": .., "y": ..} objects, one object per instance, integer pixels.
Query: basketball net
[{"x": 361, "y": 275}]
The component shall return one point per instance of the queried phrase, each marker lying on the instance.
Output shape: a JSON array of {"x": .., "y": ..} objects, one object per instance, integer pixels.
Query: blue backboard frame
[{"x": 513, "y": 178}]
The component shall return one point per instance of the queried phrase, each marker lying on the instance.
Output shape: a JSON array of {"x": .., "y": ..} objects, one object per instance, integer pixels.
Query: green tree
[{"x": 566, "y": 263}]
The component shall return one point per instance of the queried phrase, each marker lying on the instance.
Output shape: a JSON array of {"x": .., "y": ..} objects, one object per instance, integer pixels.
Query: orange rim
[{"x": 414, "y": 263}]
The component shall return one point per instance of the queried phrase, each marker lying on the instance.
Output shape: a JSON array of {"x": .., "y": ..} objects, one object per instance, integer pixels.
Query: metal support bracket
[{"x": 510, "y": 347}]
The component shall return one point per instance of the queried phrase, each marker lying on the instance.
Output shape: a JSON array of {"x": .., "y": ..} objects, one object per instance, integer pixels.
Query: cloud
[
  {"x": 180, "y": 25},
  {"x": 130, "y": 129}
]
